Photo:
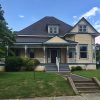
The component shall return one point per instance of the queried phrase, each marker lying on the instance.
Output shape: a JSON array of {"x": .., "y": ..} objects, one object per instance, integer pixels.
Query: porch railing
[{"x": 57, "y": 63}]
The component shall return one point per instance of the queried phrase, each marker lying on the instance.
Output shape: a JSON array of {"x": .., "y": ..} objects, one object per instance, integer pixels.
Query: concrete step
[
  {"x": 92, "y": 87},
  {"x": 96, "y": 91},
  {"x": 87, "y": 86},
  {"x": 84, "y": 81},
  {"x": 53, "y": 68}
]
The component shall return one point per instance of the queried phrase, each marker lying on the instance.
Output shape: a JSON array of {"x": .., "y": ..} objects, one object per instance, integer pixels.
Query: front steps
[
  {"x": 53, "y": 68},
  {"x": 87, "y": 86}
]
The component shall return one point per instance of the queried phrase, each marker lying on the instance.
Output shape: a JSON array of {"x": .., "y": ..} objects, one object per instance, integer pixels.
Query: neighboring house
[{"x": 50, "y": 39}]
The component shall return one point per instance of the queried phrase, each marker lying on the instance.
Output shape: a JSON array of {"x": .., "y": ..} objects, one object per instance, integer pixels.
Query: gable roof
[
  {"x": 83, "y": 19},
  {"x": 58, "y": 40},
  {"x": 40, "y": 27}
]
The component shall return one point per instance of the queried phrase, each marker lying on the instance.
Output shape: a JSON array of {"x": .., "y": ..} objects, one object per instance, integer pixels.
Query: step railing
[{"x": 57, "y": 63}]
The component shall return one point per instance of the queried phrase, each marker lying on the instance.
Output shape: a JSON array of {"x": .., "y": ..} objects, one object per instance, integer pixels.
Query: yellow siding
[
  {"x": 89, "y": 28},
  {"x": 56, "y": 39},
  {"x": 72, "y": 37},
  {"x": 85, "y": 39},
  {"x": 38, "y": 52}
]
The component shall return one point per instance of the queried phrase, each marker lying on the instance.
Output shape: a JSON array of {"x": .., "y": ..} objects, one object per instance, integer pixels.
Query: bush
[
  {"x": 23, "y": 64},
  {"x": 29, "y": 64},
  {"x": 13, "y": 63},
  {"x": 36, "y": 62},
  {"x": 78, "y": 68}
]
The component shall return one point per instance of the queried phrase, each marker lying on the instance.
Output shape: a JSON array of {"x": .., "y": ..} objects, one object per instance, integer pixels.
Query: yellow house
[{"x": 56, "y": 44}]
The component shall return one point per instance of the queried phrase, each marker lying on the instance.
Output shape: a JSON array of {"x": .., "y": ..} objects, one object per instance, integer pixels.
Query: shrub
[
  {"x": 23, "y": 64},
  {"x": 29, "y": 64},
  {"x": 13, "y": 63},
  {"x": 36, "y": 62},
  {"x": 78, "y": 68}
]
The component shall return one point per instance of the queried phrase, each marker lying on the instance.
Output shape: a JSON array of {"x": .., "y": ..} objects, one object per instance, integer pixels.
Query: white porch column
[
  {"x": 25, "y": 51},
  {"x": 44, "y": 53},
  {"x": 7, "y": 49},
  {"x": 67, "y": 55}
]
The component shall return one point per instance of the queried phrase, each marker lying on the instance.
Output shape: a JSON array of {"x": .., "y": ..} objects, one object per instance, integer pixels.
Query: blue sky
[{"x": 21, "y": 13}]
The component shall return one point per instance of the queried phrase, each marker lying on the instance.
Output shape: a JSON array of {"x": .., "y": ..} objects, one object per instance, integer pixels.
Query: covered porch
[
  {"x": 47, "y": 53},
  {"x": 55, "y": 48}
]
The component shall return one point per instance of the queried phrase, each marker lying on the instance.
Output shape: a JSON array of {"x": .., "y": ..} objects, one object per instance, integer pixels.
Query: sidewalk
[{"x": 81, "y": 97}]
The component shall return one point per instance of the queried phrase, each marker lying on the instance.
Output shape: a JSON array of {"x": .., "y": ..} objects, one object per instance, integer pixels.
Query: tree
[
  {"x": 98, "y": 55},
  {"x": 7, "y": 37}
]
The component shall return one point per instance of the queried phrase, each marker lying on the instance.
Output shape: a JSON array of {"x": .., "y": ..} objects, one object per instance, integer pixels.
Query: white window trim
[
  {"x": 82, "y": 25},
  {"x": 53, "y": 29},
  {"x": 83, "y": 51}
]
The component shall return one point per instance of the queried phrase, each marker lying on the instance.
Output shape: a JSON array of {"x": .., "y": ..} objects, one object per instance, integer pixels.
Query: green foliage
[
  {"x": 36, "y": 62},
  {"x": 23, "y": 64},
  {"x": 19, "y": 85},
  {"x": 30, "y": 64},
  {"x": 78, "y": 68},
  {"x": 27, "y": 64},
  {"x": 7, "y": 37},
  {"x": 89, "y": 73},
  {"x": 13, "y": 63}
]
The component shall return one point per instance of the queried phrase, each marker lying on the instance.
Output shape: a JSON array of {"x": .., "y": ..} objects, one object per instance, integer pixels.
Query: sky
[{"x": 22, "y": 13}]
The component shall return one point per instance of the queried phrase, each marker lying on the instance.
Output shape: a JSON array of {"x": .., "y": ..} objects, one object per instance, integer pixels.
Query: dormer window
[
  {"x": 53, "y": 29},
  {"x": 82, "y": 28}
]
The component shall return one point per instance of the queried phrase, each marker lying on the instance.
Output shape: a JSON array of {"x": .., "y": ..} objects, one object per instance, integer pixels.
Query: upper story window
[
  {"x": 53, "y": 29},
  {"x": 82, "y": 28}
]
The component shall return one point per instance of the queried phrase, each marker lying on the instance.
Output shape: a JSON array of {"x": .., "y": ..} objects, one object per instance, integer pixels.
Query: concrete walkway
[{"x": 81, "y": 97}]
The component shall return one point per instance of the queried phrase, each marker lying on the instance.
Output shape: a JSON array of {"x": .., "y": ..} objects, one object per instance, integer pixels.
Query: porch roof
[{"x": 59, "y": 41}]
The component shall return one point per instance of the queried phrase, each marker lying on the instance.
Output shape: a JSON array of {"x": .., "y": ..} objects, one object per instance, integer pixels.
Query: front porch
[{"x": 47, "y": 54}]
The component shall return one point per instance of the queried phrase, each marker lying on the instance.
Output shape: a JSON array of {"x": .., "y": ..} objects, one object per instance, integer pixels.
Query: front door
[{"x": 53, "y": 55}]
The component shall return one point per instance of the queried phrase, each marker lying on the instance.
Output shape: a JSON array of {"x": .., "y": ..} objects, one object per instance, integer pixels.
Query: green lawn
[
  {"x": 89, "y": 74},
  {"x": 23, "y": 85}
]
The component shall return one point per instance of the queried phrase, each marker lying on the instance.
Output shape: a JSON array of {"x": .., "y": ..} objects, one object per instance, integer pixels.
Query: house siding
[
  {"x": 85, "y": 39},
  {"x": 89, "y": 29}
]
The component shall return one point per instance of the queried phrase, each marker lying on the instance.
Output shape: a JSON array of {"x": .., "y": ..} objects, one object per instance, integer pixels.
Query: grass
[
  {"x": 89, "y": 74},
  {"x": 23, "y": 85}
]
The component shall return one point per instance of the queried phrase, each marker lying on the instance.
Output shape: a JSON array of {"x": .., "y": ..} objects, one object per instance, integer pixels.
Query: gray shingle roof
[
  {"x": 40, "y": 27},
  {"x": 32, "y": 39},
  {"x": 22, "y": 39}
]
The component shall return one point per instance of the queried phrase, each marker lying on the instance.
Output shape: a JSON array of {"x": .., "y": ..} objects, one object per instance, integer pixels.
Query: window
[
  {"x": 83, "y": 51},
  {"x": 31, "y": 52},
  {"x": 53, "y": 29},
  {"x": 71, "y": 52},
  {"x": 82, "y": 28}
]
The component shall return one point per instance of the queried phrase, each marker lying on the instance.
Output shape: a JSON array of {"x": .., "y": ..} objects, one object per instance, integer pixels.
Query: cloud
[
  {"x": 97, "y": 25},
  {"x": 91, "y": 12},
  {"x": 75, "y": 20},
  {"x": 97, "y": 39},
  {"x": 98, "y": 30},
  {"x": 74, "y": 17},
  {"x": 21, "y": 16}
]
